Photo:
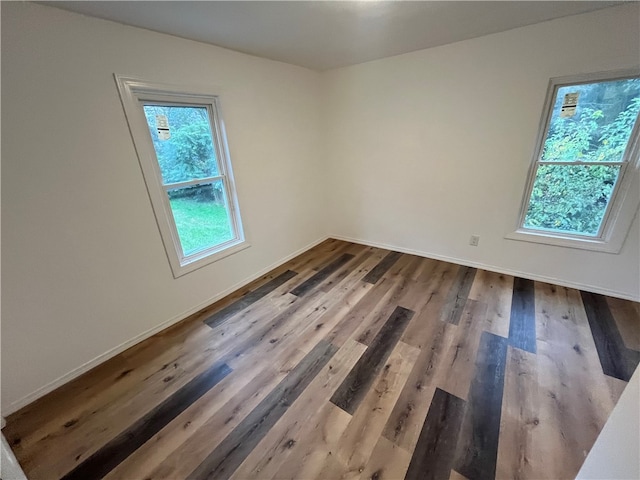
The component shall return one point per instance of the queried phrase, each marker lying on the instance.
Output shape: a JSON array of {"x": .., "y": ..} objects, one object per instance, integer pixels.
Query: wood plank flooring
[{"x": 349, "y": 362}]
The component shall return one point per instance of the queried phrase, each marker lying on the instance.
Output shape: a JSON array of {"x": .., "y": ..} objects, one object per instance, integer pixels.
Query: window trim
[
  {"x": 132, "y": 93},
  {"x": 625, "y": 198}
]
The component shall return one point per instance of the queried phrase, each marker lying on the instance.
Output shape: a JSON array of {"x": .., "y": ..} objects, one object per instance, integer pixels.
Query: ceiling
[{"x": 328, "y": 34}]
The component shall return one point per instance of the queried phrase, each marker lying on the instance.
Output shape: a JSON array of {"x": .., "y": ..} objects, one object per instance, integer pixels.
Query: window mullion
[
  {"x": 200, "y": 181},
  {"x": 580, "y": 163}
]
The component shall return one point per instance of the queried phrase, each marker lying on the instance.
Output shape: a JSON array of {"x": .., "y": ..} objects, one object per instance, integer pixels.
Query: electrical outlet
[{"x": 474, "y": 240}]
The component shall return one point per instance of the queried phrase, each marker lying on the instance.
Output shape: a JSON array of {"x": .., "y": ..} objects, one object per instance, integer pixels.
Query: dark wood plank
[
  {"x": 248, "y": 299},
  {"x": 308, "y": 285},
  {"x": 477, "y": 451},
  {"x": 354, "y": 388},
  {"x": 522, "y": 326},
  {"x": 458, "y": 295},
  {"x": 617, "y": 360},
  {"x": 435, "y": 451},
  {"x": 236, "y": 446},
  {"x": 385, "y": 264},
  {"x": 113, "y": 453}
]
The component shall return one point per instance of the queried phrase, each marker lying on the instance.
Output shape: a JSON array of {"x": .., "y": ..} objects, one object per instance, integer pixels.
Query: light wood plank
[
  {"x": 461, "y": 355},
  {"x": 317, "y": 444},
  {"x": 571, "y": 398},
  {"x": 388, "y": 461},
  {"x": 518, "y": 456},
  {"x": 496, "y": 291}
]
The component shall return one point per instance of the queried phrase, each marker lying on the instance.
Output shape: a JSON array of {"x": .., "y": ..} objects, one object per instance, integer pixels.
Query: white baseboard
[
  {"x": 76, "y": 372},
  {"x": 493, "y": 268}
]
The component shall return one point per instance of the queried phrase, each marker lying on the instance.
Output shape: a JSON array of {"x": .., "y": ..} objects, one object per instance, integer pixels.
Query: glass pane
[
  {"x": 201, "y": 216},
  {"x": 595, "y": 125},
  {"x": 182, "y": 141},
  {"x": 571, "y": 198}
]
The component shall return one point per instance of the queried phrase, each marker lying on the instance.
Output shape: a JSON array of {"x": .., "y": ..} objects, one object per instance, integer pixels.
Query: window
[
  {"x": 179, "y": 138},
  {"x": 582, "y": 189}
]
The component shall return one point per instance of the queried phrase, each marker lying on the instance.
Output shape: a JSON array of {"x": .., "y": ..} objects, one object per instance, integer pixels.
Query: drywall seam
[
  {"x": 492, "y": 268},
  {"x": 103, "y": 357}
]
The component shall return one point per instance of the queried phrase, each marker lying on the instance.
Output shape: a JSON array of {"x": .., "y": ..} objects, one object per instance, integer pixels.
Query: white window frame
[
  {"x": 625, "y": 198},
  {"x": 134, "y": 93}
]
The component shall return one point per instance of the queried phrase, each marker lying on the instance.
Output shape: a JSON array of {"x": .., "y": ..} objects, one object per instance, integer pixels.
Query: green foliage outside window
[
  {"x": 189, "y": 153},
  {"x": 573, "y": 198},
  {"x": 199, "y": 211}
]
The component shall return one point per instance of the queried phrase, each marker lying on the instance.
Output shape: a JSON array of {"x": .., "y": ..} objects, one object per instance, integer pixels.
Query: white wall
[
  {"x": 430, "y": 147},
  {"x": 84, "y": 269}
]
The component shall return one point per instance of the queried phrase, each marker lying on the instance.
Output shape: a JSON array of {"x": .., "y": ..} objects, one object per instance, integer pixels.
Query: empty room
[{"x": 323, "y": 240}]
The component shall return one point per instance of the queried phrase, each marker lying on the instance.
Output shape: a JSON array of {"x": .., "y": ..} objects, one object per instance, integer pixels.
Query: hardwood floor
[{"x": 349, "y": 362}]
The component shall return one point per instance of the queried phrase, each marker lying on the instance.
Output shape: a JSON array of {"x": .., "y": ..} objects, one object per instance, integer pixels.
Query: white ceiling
[{"x": 327, "y": 34}]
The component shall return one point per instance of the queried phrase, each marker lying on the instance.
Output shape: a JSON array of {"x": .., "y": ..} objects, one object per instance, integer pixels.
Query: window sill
[
  {"x": 189, "y": 265},
  {"x": 558, "y": 240}
]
